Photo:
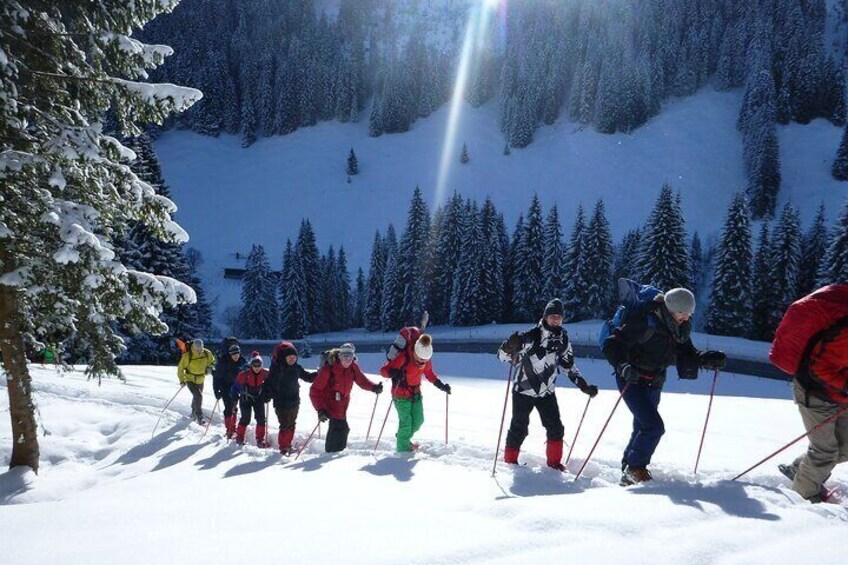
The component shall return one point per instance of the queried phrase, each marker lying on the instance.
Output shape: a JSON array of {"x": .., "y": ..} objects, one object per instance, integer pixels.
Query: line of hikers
[{"x": 649, "y": 332}]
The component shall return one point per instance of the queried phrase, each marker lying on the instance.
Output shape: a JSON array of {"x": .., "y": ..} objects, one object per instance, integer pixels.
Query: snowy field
[{"x": 108, "y": 492}]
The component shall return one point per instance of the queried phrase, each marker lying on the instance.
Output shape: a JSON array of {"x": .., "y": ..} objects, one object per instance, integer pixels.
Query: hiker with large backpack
[
  {"x": 229, "y": 364},
  {"x": 811, "y": 344},
  {"x": 248, "y": 389},
  {"x": 649, "y": 332},
  {"x": 539, "y": 354},
  {"x": 405, "y": 370},
  {"x": 194, "y": 365},
  {"x": 330, "y": 393},
  {"x": 283, "y": 388}
]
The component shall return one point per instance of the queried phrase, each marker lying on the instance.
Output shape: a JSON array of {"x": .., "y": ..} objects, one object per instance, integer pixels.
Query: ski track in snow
[{"x": 99, "y": 456}]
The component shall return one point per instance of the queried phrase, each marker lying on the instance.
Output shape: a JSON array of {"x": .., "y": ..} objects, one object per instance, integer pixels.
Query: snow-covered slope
[
  {"x": 230, "y": 197},
  {"x": 108, "y": 492}
]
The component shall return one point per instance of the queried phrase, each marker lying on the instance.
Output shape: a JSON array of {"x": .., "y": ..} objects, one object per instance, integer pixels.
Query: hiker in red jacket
[
  {"x": 330, "y": 393},
  {"x": 248, "y": 389}
]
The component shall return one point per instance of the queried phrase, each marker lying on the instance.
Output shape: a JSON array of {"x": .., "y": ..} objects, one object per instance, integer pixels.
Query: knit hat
[
  {"x": 347, "y": 350},
  {"x": 424, "y": 347},
  {"x": 256, "y": 359},
  {"x": 554, "y": 308},
  {"x": 234, "y": 349},
  {"x": 285, "y": 349},
  {"x": 680, "y": 300}
]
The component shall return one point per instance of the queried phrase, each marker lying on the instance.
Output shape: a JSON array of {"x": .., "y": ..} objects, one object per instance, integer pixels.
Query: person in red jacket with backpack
[
  {"x": 248, "y": 389},
  {"x": 811, "y": 343},
  {"x": 406, "y": 371},
  {"x": 330, "y": 393}
]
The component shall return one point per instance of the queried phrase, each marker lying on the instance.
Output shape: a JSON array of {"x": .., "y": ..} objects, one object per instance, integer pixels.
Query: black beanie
[{"x": 554, "y": 307}]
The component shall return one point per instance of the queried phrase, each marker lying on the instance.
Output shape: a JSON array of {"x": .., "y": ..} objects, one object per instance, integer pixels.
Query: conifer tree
[
  {"x": 258, "y": 317},
  {"x": 730, "y": 302},
  {"x": 352, "y": 164},
  {"x": 527, "y": 277},
  {"x": 447, "y": 242},
  {"x": 763, "y": 289},
  {"x": 553, "y": 266},
  {"x": 626, "y": 257},
  {"x": 463, "y": 158},
  {"x": 376, "y": 273},
  {"x": 294, "y": 310},
  {"x": 813, "y": 250},
  {"x": 343, "y": 300},
  {"x": 840, "y": 164},
  {"x": 465, "y": 294},
  {"x": 577, "y": 285},
  {"x": 663, "y": 257},
  {"x": 491, "y": 265},
  {"x": 307, "y": 249},
  {"x": 515, "y": 246},
  {"x": 834, "y": 266},
  {"x": 785, "y": 262},
  {"x": 412, "y": 261},
  {"x": 390, "y": 317},
  {"x": 696, "y": 263},
  {"x": 598, "y": 252},
  {"x": 360, "y": 297}
]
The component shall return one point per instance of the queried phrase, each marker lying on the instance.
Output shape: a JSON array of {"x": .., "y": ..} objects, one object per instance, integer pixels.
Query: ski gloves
[
  {"x": 322, "y": 416},
  {"x": 591, "y": 390},
  {"x": 378, "y": 388},
  {"x": 629, "y": 374},
  {"x": 442, "y": 386},
  {"x": 218, "y": 394},
  {"x": 712, "y": 359}
]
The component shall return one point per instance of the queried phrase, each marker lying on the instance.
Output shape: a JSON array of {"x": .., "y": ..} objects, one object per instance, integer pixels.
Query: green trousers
[{"x": 410, "y": 417}]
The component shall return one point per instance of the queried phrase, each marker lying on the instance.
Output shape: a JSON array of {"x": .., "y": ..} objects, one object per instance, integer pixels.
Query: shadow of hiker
[
  {"x": 15, "y": 482},
  {"x": 541, "y": 481},
  {"x": 177, "y": 456},
  {"x": 398, "y": 467},
  {"x": 730, "y": 496},
  {"x": 314, "y": 463},
  {"x": 221, "y": 456},
  {"x": 150, "y": 448},
  {"x": 250, "y": 467}
]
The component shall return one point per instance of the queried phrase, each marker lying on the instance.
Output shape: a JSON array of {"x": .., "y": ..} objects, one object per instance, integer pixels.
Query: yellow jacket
[{"x": 193, "y": 368}]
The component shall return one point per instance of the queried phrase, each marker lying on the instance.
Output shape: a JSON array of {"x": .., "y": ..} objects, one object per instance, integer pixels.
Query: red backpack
[
  {"x": 406, "y": 338},
  {"x": 809, "y": 326}
]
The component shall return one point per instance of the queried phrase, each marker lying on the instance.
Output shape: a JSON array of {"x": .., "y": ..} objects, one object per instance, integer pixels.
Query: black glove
[
  {"x": 712, "y": 359},
  {"x": 591, "y": 390},
  {"x": 378, "y": 388},
  {"x": 629, "y": 374},
  {"x": 512, "y": 345},
  {"x": 444, "y": 387},
  {"x": 322, "y": 416},
  {"x": 556, "y": 344},
  {"x": 218, "y": 394}
]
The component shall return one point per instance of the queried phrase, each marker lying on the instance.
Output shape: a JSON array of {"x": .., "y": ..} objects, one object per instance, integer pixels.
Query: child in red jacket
[
  {"x": 248, "y": 388},
  {"x": 330, "y": 393}
]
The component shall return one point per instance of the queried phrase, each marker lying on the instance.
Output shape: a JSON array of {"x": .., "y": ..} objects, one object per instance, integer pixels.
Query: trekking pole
[
  {"x": 373, "y": 411},
  {"x": 209, "y": 423},
  {"x": 706, "y": 421},
  {"x": 446, "y": 418},
  {"x": 503, "y": 417},
  {"x": 305, "y": 443},
  {"x": 165, "y": 408},
  {"x": 794, "y": 441},
  {"x": 574, "y": 441},
  {"x": 376, "y": 445},
  {"x": 591, "y": 451}
]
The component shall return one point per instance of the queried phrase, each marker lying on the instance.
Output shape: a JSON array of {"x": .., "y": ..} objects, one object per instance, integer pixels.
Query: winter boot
[
  {"x": 554, "y": 454},
  {"x": 260, "y": 437},
  {"x": 240, "y": 431},
  {"x": 635, "y": 475},
  {"x": 789, "y": 471},
  {"x": 230, "y": 425},
  {"x": 284, "y": 438},
  {"x": 511, "y": 455}
]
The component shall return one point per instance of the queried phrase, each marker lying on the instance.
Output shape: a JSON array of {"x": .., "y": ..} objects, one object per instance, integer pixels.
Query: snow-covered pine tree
[
  {"x": 447, "y": 241},
  {"x": 506, "y": 150},
  {"x": 503, "y": 247},
  {"x": 376, "y": 272},
  {"x": 331, "y": 290},
  {"x": 730, "y": 301},
  {"x": 392, "y": 292},
  {"x": 553, "y": 266},
  {"x": 413, "y": 259},
  {"x": 696, "y": 263},
  {"x": 626, "y": 255},
  {"x": 294, "y": 311},
  {"x": 465, "y": 295},
  {"x": 343, "y": 299},
  {"x": 490, "y": 308},
  {"x": 515, "y": 248},
  {"x": 663, "y": 257},
  {"x": 527, "y": 278},
  {"x": 576, "y": 283},
  {"x": 840, "y": 164},
  {"x": 66, "y": 190},
  {"x": 352, "y": 164},
  {"x": 763, "y": 292},
  {"x": 834, "y": 265},
  {"x": 598, "y": 257},
  {"x": 785, "y": 262},
  {"x": 360, "y": 296},
  {"x": 813, "y": 250},
  {"x": 258, "y": 317},
  {"x": 463, "y": 157},
  {"x": 307, "y": 249}
]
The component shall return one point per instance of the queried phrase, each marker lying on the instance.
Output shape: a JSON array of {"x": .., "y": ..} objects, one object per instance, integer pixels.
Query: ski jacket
[
  {"x": 282, "y": 385},
  {"x": 249, "y": 383},
  {"x": 193, "y": 368},
  {"x": 826, "y": 372},
  {"x": 542, "y": 354},
  {"x": 331, "y": 390},
  {"x": 650, "y": 347},
  {"x": 406, "y": 375},
  {"x": 225, "y": 372}
]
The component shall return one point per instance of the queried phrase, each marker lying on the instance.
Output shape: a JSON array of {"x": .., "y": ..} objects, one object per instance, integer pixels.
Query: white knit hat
[
  {"x": 424, "y": 347},
  {"x": 256, "y": 357}
]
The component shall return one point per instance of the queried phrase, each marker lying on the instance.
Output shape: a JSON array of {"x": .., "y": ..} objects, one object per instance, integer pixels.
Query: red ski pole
[
  {"x": 586, "y": 461},
  {"x": 305, "y": 443},
  {"x": 503, "y": 417},
  {"x": 706, "y": 421},
  {"x": 580, "y": 425},
  {"x": 389, "y": 409},
  {"x": 833, "y": 417},
  {"x": 446, "y": 418},
  {"x": 373, "y": 411}
]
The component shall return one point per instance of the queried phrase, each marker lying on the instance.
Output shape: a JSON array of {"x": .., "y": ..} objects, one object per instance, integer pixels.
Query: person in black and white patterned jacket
[{"x": 539, "y": 354}]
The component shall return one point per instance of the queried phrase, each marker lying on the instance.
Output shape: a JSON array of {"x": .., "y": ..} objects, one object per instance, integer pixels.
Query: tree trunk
[{"x": 18, "y": 382}]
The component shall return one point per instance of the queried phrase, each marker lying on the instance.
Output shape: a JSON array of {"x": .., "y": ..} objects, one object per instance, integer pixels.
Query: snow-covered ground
[{"x": 108, "y": 492}]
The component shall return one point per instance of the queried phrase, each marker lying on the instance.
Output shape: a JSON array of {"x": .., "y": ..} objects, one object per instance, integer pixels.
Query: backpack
[
  {"x": 630, "y": 295},
  {"x": 815, "y": 318},
  {"x": 406, "y": 338}
]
